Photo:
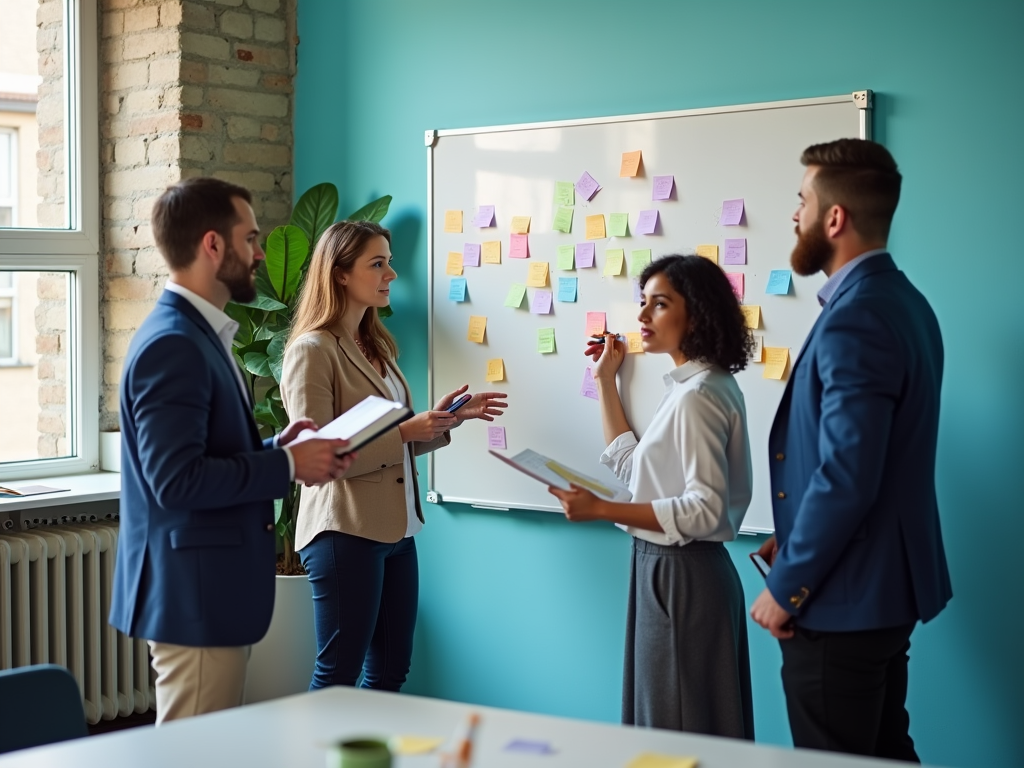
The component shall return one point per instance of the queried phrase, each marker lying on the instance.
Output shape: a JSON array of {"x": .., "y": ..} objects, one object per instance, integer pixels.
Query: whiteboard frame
[{"x": 862, "y": 100}]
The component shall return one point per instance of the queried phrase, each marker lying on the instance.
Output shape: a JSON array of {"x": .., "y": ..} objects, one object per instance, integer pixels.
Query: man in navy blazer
[
  {"x": 195, "y": 561},
  {"x": 857, "y": 557}
]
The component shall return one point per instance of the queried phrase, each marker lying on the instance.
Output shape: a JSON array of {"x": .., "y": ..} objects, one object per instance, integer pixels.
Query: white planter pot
[{"x": 282, "y": 662}]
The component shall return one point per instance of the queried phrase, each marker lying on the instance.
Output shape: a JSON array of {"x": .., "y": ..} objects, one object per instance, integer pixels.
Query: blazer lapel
[{"x": 348, "y": 346}]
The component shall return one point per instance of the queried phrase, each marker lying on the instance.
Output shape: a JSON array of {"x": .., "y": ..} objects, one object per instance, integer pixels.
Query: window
[{"x": 8, "y": 177}]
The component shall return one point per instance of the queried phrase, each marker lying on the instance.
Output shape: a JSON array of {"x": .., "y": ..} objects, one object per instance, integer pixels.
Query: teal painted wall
[{"x": 524, "y": 610}]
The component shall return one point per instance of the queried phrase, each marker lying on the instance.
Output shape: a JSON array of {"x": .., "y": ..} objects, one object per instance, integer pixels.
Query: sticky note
[
  {"x": 567, "y": 289},
  {"x": 595, "y": 227},
  {"x": 545, "y": 340},
  {"x": 589, "y": 386},
  {"x": 634, "y": 343},
  {"x": 613, "y": 261},
  {"x": 709, "y": 252},
  {"x": 565, "y": 193},
  {"x": 521, "y": 225},
  {"x": 492, "y": 252},
  {"x": 630, "y": 164},
  {"x": 587, "y": 186},
  {"x": 529, "y": 747},
  {"x": 757, "y": 352},
  {"x": 638, "y": 294},
  {"x": 454, "y": 263},
  {"x": 496, "y": 438},
  {"x": 776, "y": 359},
  {"x": 618, "y": 224},
  {"x": 736, "y": 281},
  {"x": 732, "y": 213},
  {"x": 537, "y": 276},
  {"x": 515, "y": 295},
  {"x": 653, "y": 760},
  {"x": 595, "y": 323},
  {"x": 565, "y": 256},
  {"x": 453, "y": 221},
  {"x": 484, "y": 216},
  {"x": 471, "y": 255},
  {"x": 541, "y": 302},
  {"x": 778, "y": 282},
  {"x": 563, "y": 219},
  {"x": 647, "y": 223},
  {"x": 519, "y": 247},
  {"x": 585, "y": 255},
  {"x": 496, "y": 369},
  {"x": 457, "y": 289},
  {"x": 477, "y": 327},
  {"x": 735, "y": 250},
  {"x": 751, "y": 315},
  {"x": 662, "y": 189},
  {"x": 638, "y": 260},
  {"x": 414, "y": 745}
]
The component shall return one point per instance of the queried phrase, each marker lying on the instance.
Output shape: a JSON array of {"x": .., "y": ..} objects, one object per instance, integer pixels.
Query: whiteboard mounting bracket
[
  {"x": 429, "y": 137},
  {"x": 433, "y": 497},
  {"x": 862, "y": 99}
]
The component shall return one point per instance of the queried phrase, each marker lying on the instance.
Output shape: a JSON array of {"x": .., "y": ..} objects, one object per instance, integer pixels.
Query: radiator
[{"x": 55, "y": 584}]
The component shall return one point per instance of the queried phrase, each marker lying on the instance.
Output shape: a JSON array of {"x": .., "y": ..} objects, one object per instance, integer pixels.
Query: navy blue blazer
[
  {"x": 852, "y": 457},
  {"x": 195, "y": 554}
]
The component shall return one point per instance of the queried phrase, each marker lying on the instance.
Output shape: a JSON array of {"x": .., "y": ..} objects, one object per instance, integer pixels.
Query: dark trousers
[
  {"x": 364, "y": 606},
  {"x": 847, "y": 691}
]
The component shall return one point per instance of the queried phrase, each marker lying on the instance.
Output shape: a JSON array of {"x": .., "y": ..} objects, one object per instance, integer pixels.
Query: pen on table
[
  {"x": 595, "y": 339},
  {"x": 462, "y": 749}
]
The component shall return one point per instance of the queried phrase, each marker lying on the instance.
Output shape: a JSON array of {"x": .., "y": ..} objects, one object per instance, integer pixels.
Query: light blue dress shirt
[{"x": 832, "y": 284}]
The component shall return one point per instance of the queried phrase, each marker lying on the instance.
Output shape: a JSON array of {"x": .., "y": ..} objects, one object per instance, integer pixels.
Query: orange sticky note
[
  {"x": 492, "y": 252},
  {"x": 454, "y": 263},
  {"x": 709, "y": 252},
  {"x": 595, "y": 323},
  {"x": 496, "y": 369},
  {"x": 776, "y": 361},
  {"x": 634, "y": 343},
  {"x": 595, "y": 227},
  {"x": 453, "y": 221},
  {"x": 521, "y": 225},
  {"x": 537, "y": 276},
  {"x": 751, "y": 315},
  {"x": 630, "y": 164},
  {"x": 477, "y": 327}
]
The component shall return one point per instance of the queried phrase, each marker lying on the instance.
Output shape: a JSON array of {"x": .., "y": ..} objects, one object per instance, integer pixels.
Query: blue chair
[{"x": 39, "y": 705}]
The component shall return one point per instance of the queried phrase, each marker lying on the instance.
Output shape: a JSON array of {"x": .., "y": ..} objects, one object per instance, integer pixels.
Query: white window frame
[
  {"x": 12, "y": 201},
  {"x": 74, "y": 250},
  {"x": 12, "y": 294}
]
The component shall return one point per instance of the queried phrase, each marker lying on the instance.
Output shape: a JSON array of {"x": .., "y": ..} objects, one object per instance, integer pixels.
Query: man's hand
[
  {"x": 292, "y": 431},
  {"x": 769, "y": 550},
  {"x": 580, "y": 505},
  {"x": 317, "y": 461},
  {"x": 770, "y": 615}
]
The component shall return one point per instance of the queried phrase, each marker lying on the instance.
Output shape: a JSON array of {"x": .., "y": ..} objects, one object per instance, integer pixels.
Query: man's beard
[
  {"x": 813, "y": 251},
  {"x": 238, "y": 278}
]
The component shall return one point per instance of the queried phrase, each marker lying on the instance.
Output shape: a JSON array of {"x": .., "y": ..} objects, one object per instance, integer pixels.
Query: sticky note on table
[
  {"x": 563, "y": 219},
  {"x": 735, "y": 250},
  {"x": 709, "y": 252},
  {"x": 496, "y": 369},
  {"x": 471, "y": 255},
  {"x": 613, "y": 261},
  {"x": 519, "y": 247},
  {"x": 537, "y": 276},
  {"x": 521, "y": 225},
  {"x": 638, "y": 260},
  {"x": 565, "y": 193},
  {"x": 585, "y": 255},
  {"x": 496, "y": 438},
  {"x": 630, "y": 165},
  {"x": 634, "y": 343},
  {"x": 477, "y": 328},
  {"x": 515, "y": 295},
  {"x": 654, "y": 760},
  {"x": 757, "y": 352},
  {"x": 492, "y": 252},
  {"x": 776, "y": 359},
  {"x": 529, "y": 747},
  {"x": 589, "y": 386},
  {"x": 732, "y": 213},
  {"x": 541, "y": 302},
  {"x": 662, "y": 189},
  {"x": 545, "y": 340},
  {"x": 414, "y": 745},
  {"x": 457, "y": 289},
  {"x": 595, "y": 323},
  {"x": 647, "y": 222},
  {"x": 587, "y": 186},
  {"x": 565, "y": 256},
  {"x": 736, "y": 281},
  {"x": 779, "y": 281},
  {"x": 484, "y": 216},
  {"x": 567, "y": 289},
  {"x": 453, "y": 221},
  {"x": 618, "y": 224},
  {"x": 751, "y": 315},
  {"x": 454, "y": 263},
  {"x": 595, "y": 227}
]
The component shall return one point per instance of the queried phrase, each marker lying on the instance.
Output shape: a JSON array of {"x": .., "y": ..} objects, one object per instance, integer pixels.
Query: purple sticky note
[
  {"x": 663, "y": 187},
  {"x": 484, "y": 216},
  {"x": 471, "y": 255},
  {"x": 587, "y": 186},
  {"x": 529, "y": 747},
  {"x": 540, "y": 304},
  {"x": 735, "y": 250},
  {"x": 732, "y": 213},
  {"x": 496, "y": 438},
  {"x": 520, "y": 248},
  {"x": 585, "y": 255},
  {"x": 647, "y": 222},
  {"x": 589, "y": 387},
  {"x": 637, "y": 293}
]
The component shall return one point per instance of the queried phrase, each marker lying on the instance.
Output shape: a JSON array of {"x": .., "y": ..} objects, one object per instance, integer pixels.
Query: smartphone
[
  {"x": 459, "y": 403},
  {"x": 761, "y": 564}
]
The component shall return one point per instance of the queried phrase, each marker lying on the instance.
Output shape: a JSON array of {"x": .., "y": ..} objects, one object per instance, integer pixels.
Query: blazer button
[
  {"x": 383, "y": 466},
  {"x": 781, "y": 495},
  {"x": 270, "y": 526},
  {"x": 780, "y": 456},
  {"x": 401, "y": 479}
]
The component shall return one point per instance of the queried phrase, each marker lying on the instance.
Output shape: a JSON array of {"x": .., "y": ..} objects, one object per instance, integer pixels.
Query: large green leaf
[
  {"x": 385, "y": 312},
  {"x": 287, "y": 250},
  {"x": 257, "y": 363},
  {"x": 256, "y": 346},
  {"x": 263, "y": 285},
  {"x": 374, "y": 211},
  {"x": 243, "y": 316},
  {"x": 316, "y": 210},
  {"x": 275, "y": 354},
  {"x": 265, "y": 303}
]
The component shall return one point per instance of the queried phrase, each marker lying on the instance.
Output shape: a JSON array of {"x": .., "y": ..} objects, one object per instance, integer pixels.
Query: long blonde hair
[{"x": 322, "y": 299}]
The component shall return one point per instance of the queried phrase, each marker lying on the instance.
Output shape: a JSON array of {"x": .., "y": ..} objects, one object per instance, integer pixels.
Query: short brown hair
[
  {"x": 188, "y": 210},
  {"x": 860, "y": 176}
]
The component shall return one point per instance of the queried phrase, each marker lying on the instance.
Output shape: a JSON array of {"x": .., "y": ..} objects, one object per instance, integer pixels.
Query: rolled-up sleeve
[{"x": 618, "y": 456}]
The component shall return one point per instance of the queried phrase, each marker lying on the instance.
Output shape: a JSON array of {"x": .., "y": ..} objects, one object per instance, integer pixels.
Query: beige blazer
[{"x": 325, "y": 375}]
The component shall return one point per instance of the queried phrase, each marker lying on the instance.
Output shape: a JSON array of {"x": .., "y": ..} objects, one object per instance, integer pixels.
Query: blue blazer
[
  {"x": 195, "y": 557},
  {"x": 852, "y": 456}
]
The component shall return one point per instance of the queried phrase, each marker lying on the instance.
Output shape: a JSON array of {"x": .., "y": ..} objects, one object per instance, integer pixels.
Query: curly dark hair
[{"x": 717, "y": 334}]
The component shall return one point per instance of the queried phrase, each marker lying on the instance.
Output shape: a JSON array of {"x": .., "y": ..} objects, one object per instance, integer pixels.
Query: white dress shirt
[
  {"x": 693, "y": 463},
  {"x": 414, "y": 524}
]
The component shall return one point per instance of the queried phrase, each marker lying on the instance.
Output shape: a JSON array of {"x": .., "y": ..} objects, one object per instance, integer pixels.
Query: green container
[{"x": 359, "y": 753}]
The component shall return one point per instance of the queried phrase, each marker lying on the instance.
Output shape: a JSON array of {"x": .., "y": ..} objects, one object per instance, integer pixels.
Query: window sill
[{"x": 96, "y": 486}]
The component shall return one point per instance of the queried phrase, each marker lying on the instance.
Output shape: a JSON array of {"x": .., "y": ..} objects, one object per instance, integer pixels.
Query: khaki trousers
[{"x": 193, "y": 681}]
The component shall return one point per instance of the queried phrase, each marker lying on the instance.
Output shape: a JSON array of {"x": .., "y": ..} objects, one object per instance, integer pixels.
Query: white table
[{"x": 292, "y": 733}]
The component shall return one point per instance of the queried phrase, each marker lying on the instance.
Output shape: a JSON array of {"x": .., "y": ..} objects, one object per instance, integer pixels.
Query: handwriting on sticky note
[
  {"x": 654, "y": 760},
  {"x": 454, "y": 263},
  {"x": 457, "y": 289},
  {"x": 776, "y": 359},
  {"x": 589, "y": 386},
  {"x": 515, "y": 295},
  {"x": 537, "y": 276},
  {"x": 779, "y": 281},
  {"x": 587, "y": 186},
  {"x": 565, "y": 256},
  {"x": 709, "y": 252},
  {"x": 595, "y": 227},
  {"x": 757, "y": 352},
  {"x": 545, "y": 340},
  {"x": 638, "y": 260},
  {"x": 736, "y": 281},
  {"x": 521, "y": 225},
  {"x": 647, "y": 222},
  {"x": 453, "y": 221},
  {"x": 595, "y": 323},
  {"x": 662, "y": 189},
  {"x": 565, "y": 193},
  {"x": 618, "y": 224},
  {"x": 634, "y": 343},
  {"x": 477, "y": 328},
  {"x": 613, "y": 261},
  {"x": 732, "y": 213},
  {"x": 585, "y": 253},
  {"x": 496, "y": 369},
  {"x": 563, "y": 219},
  {"x": 484, "y": 216},
  {"x": 471, "y": 255},
  {"x": 541, "y": 302},
  {"x": 492, "y": 252},
  {"x": 735, "y": 250},
  {"x": 567, "y": 289},
  {"x": 519, "y": 247},
  {"x": 630, "y": 164},
  {"x": 751, "y": 315},
  {"x": 496, "y": 438}
]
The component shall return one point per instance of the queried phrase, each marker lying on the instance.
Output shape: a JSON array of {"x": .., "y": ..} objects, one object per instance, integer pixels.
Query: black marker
[{"x": 601, "y": 339}]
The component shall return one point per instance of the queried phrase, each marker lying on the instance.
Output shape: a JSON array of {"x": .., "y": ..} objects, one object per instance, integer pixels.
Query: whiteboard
[{"x": 750, "y": 151}]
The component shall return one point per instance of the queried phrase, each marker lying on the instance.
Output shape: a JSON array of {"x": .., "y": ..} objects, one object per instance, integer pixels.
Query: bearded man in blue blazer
[
  {"x": 195, "y": 560},
  {"x": 857, "y": 557}
]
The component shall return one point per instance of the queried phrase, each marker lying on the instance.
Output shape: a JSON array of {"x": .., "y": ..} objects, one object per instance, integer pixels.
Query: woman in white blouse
[{"x": 687, "y": 666}]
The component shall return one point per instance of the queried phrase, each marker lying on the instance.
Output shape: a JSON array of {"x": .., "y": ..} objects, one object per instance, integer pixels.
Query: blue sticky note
[
  {"x": 567, "y": 289},
  {"x": 457, "y": 289},
  {"x": 778, "y": 282}
]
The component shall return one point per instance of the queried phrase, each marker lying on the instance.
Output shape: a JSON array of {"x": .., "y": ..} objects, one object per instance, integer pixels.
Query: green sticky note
[
  {"x": 515, "y": 297},
  {"x": 565, "y": 256},
  {"x": 565, "y": 193},
  {"x": 545, "y": 340},
  {"x": 618, "y": 224},
  {"x": 563, "y": 219},
  {"x": 638, "y": 260}
]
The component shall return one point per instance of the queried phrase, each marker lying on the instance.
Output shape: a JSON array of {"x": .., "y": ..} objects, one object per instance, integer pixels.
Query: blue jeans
[{"x": 364, "y": 607}]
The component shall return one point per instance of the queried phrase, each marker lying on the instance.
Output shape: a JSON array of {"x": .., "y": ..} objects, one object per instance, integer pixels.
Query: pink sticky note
[
  {"x": 496, "y": 438},
  {"x": 540, "y": 304},
  {"x": 732, "y": 213},
  {"x": 637, "y": 293},
  {"x": 735, "y": 250},
  {"x": 736, "y": 281},
  {"x": 520, "y": 248},
  {"x": 595, "y": 323},
  {"x": 585, "y": 255},
  {"x": 587, "y": 186},
  {"x": 484, "y": 216},
  {"x": 663, "y": 187},
  {"x": 647, "y": 222},
  {"x": 589, "y": 387},
  {"x": 471, "y": 255}
]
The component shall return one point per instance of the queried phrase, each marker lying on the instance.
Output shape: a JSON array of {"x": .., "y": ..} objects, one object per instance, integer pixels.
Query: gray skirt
[{"x": 687, "y": 664}]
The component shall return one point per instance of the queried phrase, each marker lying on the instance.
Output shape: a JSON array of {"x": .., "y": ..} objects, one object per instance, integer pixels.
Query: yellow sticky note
[
  {"x": 454, "y": 263},
  {"x": 653, "y": 760},
  {"x": 496, "y": 369},
  {"x": 634, "y": 343},
  {"x": 613, "y": 261},
  {"x": 453, "y": 221},
  {"x": 595, "y": 227},
  {"x": 630, "y": 164},
  {"x": 776, "y": 360},
  {"x": 414, "y": 745},
  {"x": 477, "y": 326},
  {"x": 537, "y": 277},
  {"x": 709, "y": 252},
  {"x": 491, "y": 252},
  {"x": 520, "y": 225},
  {"x": 751, "y": 315}
]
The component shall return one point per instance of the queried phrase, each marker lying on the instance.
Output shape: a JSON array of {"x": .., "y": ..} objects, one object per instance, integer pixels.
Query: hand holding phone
[
  {"x": 459, "y": 402},
  {"x": 761, "y": 564}
]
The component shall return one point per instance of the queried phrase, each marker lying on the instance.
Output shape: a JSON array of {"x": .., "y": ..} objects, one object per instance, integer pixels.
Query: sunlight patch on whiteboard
[{"x": 542, "y": 140}]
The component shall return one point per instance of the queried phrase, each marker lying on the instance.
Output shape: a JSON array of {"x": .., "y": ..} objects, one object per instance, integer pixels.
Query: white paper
[
  {"x": 353, "y": 421},
  {"x": 556, "y": 474}
]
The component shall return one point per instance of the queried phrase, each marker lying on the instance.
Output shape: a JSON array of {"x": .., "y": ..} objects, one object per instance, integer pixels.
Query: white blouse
[
  {"x": 693, "y": 463},
  {"x": 414, "y": 525}
]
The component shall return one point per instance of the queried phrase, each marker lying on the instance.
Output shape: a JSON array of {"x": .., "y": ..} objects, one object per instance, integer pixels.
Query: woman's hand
[
  {"x": 580, "y": 505},
  {"x": 482, "y": 405},
  {"x": 426, "y": 426},
  {"x": 608, "y": 356}
]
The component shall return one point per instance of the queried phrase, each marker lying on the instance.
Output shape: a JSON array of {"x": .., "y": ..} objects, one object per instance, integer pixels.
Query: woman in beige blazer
[{"x": 355, "y": 534}]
